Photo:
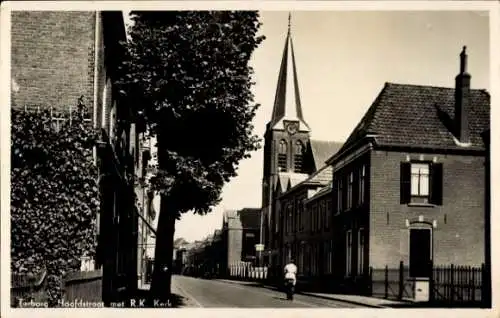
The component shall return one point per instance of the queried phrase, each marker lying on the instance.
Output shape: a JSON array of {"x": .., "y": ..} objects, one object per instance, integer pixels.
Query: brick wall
[
  {"x": 52, "y": 58},
  {"x": 459, "y": 235}
]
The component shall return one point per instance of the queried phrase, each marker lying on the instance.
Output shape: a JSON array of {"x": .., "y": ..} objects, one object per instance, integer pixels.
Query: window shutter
[
  {"x": 436, "y": 193},
  {"x": 405, "y": 187}
]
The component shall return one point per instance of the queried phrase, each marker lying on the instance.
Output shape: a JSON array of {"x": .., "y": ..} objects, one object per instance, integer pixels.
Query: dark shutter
[
  {"x": 436, "y": 183},
  {"x": 405, "y": 188}
]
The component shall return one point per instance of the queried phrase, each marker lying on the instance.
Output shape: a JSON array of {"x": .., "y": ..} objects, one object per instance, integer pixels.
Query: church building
[{"x": 290, "y": 155}]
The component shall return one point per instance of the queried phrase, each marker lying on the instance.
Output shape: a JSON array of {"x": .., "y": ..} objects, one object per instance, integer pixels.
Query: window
[
  {"x": 316, "y": 219},
  {"x": 277, "y": 221},
  {"x": 320, "y": 214},
  {"x": 313, "y": 217},
  {"x": 328, "y": 211},
  {"x": 349, "y": 190},
  {"x": 330, "y": 258},
  {"x": 421, "y": 182},
  {"x": 361, "y": 251},
  {"x": 314, "y": 260},
  {"x": 348, "y": 258},
  {"x": 301, "y": 259},
  {"x": 282, "y": 158},
  {"x": 361, "y": 189},
  {"x": 296, "y": 216},
  {"x": 298, "y": 157},
  {"x": 339, "y": 195},
  {"x": 290, "y": 218},
  {"x": 420, "y": 179}
]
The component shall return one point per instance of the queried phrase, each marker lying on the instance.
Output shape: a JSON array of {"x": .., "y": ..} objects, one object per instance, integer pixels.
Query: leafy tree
[
  {"x": 54, "y": 196},
  {"x": 188, "y": 74}
]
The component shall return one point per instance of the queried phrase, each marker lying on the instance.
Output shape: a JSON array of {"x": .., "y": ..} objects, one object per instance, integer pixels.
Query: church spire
[{"x": 287, "y": 100}]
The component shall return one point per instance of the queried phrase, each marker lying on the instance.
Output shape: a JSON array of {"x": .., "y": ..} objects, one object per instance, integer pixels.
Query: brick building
[
  {"x": 290, "y": 157},
  {"x": 409, "y": 182},
  {"x": 57, "y": 58},
  {"x": 240, "y": 233}
]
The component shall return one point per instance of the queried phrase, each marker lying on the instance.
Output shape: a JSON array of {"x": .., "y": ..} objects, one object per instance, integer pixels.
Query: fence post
[
  {"x": 386, "y": 282},
  {"x": 431, "y": 281},
  {"x": 401, "y": 281},
  {"x": 452, "y": 283}
]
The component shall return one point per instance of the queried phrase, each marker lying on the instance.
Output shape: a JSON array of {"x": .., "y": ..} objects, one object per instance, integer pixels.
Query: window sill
[{"x": 421, "y": 204}]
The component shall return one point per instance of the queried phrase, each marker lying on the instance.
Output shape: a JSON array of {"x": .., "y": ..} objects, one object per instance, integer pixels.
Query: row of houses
[
  {"x": 408, "y": 185},
  {"x": 408, "y": 190},
  {"x": 58, "y": 57},
  {"x": 233, "y": 244}
]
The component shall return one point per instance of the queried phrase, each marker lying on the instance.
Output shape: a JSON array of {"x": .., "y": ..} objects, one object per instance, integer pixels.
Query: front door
[{"x": 420, "y": 252}]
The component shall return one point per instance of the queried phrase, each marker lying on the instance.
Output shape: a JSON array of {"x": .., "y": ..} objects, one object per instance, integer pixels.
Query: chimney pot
[{"x": 463, "y": 60}]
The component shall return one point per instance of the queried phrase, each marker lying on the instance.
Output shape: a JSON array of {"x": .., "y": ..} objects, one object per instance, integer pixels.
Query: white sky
[{"x": 343, "y": 60}]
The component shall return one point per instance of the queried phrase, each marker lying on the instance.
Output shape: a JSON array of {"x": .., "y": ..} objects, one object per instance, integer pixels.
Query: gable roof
[
  {"x": 295, "y": 179},
  {"x": 285, "y": 177},
  {"x": 322, "y": 150},
  {"x": 326, "y": 189},
  {"x": 323, "y": 176},
  {"x": 416, "y": 115}
]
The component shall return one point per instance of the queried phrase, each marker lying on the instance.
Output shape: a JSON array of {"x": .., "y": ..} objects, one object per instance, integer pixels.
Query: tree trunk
[
  {"x": 160, "y": 284},
  {"x": 162, "y": 272}
]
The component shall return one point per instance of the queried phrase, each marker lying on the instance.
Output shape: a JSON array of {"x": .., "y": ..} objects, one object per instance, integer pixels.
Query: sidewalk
[
  {"x": 180, "y": 298},
  {"x": 353, "y": 299}
]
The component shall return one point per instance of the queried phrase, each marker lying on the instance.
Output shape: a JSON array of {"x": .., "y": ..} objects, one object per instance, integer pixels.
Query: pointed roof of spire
[{"x": 287, "y": 100}]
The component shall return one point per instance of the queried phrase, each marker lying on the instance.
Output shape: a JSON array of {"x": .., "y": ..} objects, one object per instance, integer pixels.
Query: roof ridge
[{"x": 431, "y": 86}]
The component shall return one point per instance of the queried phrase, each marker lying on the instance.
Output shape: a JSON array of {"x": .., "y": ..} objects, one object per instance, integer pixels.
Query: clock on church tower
[{"x": 291, "y": 126}]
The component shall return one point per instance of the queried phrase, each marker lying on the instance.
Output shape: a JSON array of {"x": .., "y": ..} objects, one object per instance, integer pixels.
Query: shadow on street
[{"x": 175, "y": 301}]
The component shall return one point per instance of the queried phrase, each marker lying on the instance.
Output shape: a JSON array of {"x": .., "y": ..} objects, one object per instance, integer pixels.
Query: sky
[{"x": 343, "y": 60}]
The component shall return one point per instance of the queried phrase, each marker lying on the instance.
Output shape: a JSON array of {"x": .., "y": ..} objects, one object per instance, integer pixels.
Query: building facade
[
  {"x": 408, "y": 185},
  {"x": 414, "y": 194},
  {"x": 59, "y": 58},
  {"x": 240, "y": 231}
]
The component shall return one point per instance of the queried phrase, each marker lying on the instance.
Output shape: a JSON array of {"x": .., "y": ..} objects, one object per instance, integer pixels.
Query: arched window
[
  {"x": 298, "y": 153},
  {"x": 282, "y": 158}
]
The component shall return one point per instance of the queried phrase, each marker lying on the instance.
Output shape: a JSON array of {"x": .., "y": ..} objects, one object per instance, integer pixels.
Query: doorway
[{"x": 420, "y": 252}]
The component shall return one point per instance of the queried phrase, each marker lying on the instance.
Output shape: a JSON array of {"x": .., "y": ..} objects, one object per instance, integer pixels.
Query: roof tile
[{"x": 415, "y": 115}]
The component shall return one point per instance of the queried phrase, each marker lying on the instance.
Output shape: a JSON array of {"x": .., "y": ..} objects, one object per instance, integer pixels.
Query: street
[{"x": 198, "y": 292}]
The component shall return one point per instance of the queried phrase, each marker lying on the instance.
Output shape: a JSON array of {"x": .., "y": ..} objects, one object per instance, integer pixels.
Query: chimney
[{"x": 462, "y": 100}]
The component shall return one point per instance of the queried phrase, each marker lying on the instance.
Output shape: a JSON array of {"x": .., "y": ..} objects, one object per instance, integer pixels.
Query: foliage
[
  {"x": 187, "y": 73},
  {"x": 54, "y": 195}
]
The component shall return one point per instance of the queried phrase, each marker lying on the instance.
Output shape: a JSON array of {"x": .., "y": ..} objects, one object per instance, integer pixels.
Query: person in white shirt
[{"x": 290, "y": 278}]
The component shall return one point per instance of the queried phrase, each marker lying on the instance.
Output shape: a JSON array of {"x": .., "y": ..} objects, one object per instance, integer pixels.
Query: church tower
[{"x": 287, "y": 133}]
